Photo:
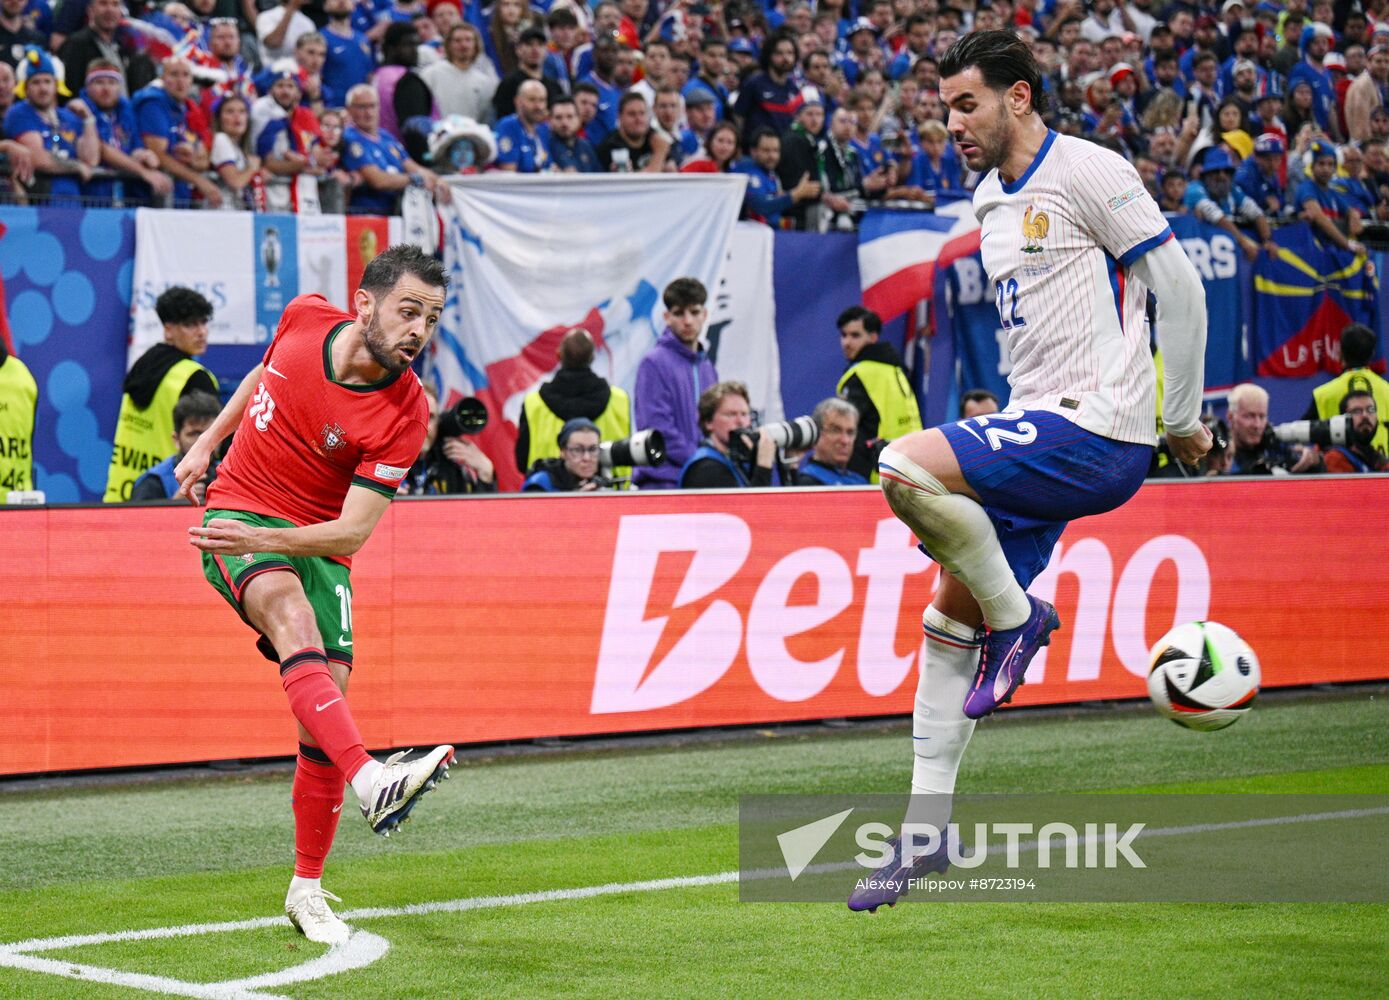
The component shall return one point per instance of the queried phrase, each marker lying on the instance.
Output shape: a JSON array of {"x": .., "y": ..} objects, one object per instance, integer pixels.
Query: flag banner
[
  {"x": 66, "y": 293},
  {"x": 531, "y": 257},
  {"x": 1304, "y": 299},
  {"x": 250, "y": 270},
  {"x": 742, "y": 318},
  {"x": 1224, "y": 271},
  {"x": 899, "y": 251},
  {"x": 699, "y": 609}
]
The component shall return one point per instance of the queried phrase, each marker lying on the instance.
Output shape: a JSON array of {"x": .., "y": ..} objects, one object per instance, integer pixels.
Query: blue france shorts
[{"x": 1035, "y": 471}]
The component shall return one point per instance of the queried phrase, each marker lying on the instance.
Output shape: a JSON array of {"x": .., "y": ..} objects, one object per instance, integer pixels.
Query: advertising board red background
[{"x": 522, "y": 617}]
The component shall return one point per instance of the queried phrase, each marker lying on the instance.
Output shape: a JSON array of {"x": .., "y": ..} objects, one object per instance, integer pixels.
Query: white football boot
[
  {"x": 401, "y": 784},
  {"x": 307, "y": 909}
]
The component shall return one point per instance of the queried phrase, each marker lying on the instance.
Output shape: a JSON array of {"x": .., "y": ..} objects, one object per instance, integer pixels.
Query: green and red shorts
[{"x": 326, "y": 584}]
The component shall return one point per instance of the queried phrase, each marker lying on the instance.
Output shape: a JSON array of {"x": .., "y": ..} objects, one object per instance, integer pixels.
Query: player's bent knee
[{"x": 898, "y": 472}]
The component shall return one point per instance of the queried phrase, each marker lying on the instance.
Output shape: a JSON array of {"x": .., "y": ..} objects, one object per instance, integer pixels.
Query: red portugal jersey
[{"x": 306, "y": 438}]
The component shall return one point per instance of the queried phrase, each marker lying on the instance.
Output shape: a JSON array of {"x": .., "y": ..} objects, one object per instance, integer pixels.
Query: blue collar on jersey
[{"x": 1017, "y": 185}]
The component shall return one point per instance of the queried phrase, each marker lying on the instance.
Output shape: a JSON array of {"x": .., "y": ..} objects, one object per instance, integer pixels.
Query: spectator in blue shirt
[
  {"x": 64, "y": 143},
  {"x": 1257, "y": 176},
  {"x": 379, "y": 158},
  {"x": 161, "y": 115},
  {"x": 768, "y": 99},
  {"x": 349, "y": 59},
  {"x": 937, "y": 168},
  {"x": 1216, "y": 200},
  {"x": 570, "y": 152},
  {"x": 606, "y": 79},
  {"x": 523, "y": 141},
  {"x": 919, "y": 29},
  {"x": 764, "y": 200},
  {"x": 1316, "y": 41},
  {"x": 1325, "y": 207},
  {"x": 120, "y": 140},
  {"x": 713, "y": 58},
  {"x": 1350, "y": 182}
]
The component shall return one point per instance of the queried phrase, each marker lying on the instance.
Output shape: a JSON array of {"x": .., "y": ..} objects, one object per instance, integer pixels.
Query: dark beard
[
  {"x": 994, "y": 149},
  {"x": 375, "y": 339}
]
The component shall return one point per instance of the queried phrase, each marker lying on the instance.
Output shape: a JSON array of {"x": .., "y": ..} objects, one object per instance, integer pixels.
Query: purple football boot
[
  {"x": 892, "y": 881},
  {"x": 1005, "y": 656}
]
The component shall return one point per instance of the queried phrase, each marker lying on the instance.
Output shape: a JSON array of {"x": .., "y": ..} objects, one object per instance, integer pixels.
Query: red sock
[
  {"x": 317, "y": 802},
  {"x": 322, "y": 709}
]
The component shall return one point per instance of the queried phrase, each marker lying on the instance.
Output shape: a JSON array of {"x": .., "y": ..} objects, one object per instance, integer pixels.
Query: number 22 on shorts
[{"x": 1025, "y": 433}]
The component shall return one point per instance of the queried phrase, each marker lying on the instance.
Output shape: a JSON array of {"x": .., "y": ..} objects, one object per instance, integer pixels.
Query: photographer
[
  {"x": 731, "y": 454},
  {"x": 837, "y": 423},
  {"x": 1328, "y": 399},
  {"x": 1258, "y": 452},
  {"x": 449, "y": 465},
  {"x": 576, "y": 470},
  {"x": 1358, "y": 453}
]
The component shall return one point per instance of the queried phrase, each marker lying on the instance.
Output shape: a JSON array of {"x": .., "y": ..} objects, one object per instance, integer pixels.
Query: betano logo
[{"x": 1112, "y": 610}]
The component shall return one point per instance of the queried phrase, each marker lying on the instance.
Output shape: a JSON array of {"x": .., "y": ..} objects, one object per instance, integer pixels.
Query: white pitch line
[
  {"x": 584, "y": 892},
  {"x": 363, "y": 948}
]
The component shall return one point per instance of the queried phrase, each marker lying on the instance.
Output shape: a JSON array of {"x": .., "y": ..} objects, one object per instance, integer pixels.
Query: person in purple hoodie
[{"x": 669, "y": 382}]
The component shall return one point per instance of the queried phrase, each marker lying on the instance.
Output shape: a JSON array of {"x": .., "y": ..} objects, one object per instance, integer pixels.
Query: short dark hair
[
  {"x": 630, "y": 97},
  {"x": 397, "y": 31},
  {"x": 1352, "y": 394},
  {"x": 1357, "y": 345},
  {"x": 195, "y": 405},
  {"x": 562, "y": 17},
  {"x": 655, "y": 42},
  {"x": 712, "y": 43},
  {"x": 559, "y": 99},
  {"x": 586, "y": 88},
  {"x": 872, "y": 322},
  {"x": 758, "y": 134},
  {"x": 977, "y": 396},
  {"x": 387, "y": 268},
  {"x": 576, "y": 349},
  {"x": 179, "y": 305},
  {"x": 915, "y": 19},
  {"x": 685, "y": 292},
  {"x": 1203, "y": 58},
  {"x": 1001, "y": 57}
]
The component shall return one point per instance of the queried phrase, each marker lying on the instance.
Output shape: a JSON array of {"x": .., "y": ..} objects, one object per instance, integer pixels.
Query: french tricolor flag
[{"x": 899, "y": 251}]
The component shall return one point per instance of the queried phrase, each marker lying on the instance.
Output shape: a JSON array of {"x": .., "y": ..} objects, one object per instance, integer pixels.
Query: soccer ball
[{"x": 1202, "y": 675}]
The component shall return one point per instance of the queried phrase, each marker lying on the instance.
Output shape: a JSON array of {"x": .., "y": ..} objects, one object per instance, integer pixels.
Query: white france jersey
[{"x": 1057, "y": 245}]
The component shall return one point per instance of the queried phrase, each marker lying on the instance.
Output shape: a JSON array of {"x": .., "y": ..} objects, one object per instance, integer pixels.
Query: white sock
[
  {"x": 940, "y": 730},
  {"x": 296, "y": 884},
  {"x": 365, "y": 779},
  {"x": 959, "y": 536}
]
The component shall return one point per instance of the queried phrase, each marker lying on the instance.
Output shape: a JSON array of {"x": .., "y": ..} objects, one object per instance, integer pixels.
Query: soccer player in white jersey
[{"x": 1072, "y": 244}]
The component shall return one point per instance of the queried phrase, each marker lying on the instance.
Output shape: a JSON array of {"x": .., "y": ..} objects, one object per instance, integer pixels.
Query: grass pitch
[{"x": 90, "y": 858}]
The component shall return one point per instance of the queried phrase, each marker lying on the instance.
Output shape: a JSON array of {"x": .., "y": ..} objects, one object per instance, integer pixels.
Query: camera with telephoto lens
[
  {"x": 467, "y": 416},
  {"x": 646, "y": 447},
  {"x": 792, "y": 435},
  {"x": 1326, "y": 433}
]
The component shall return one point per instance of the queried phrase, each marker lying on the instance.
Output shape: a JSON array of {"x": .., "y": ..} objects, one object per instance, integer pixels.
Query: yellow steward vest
[
  {"x": 543, "y": 425},
  {"x": 145, "y": 438},
  {"x": 892, "y": 396},
  {"x": 19, "y": 394},
  {"x": 1328, "y": 398}
]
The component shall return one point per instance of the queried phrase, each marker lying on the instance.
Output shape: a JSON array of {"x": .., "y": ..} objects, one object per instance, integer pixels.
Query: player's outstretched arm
[
  {"x": 194, "y": 464},
  {"x": 1181, "y": 325},
  {"x": 342, "y": 536}
]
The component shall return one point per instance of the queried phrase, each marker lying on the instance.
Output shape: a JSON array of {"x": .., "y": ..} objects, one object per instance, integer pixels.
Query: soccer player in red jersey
[{"x": 327, "y": 426}]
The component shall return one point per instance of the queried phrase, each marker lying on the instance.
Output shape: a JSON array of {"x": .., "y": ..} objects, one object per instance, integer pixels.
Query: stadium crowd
[{"x": 1243, "y": 113}]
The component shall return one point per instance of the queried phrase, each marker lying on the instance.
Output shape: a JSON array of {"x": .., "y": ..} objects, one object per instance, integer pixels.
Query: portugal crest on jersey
[
  {"x": 1034, "y": 230},
  {"x": 331, "y": 439}
]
